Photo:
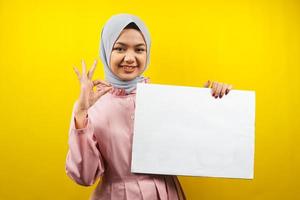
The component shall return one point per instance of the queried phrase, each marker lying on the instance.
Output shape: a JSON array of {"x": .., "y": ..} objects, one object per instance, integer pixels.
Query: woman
[{"x": 101, "y": 129}]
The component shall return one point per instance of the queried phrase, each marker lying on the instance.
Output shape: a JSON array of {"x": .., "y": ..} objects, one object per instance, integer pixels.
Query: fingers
[
  {"x": 224, "y": 88},
  {"x": 219, "y": 89},
  {"x": 102, "y": 91},
  {"x": 83, "y": 68},
  {"x": 92, "y": 70},
  {"x": 103, "y": 88},
  {"x": 228, "y": 89},
  {"x": 97, "y": 82},
  {"x": 77, "y": 72},
  {"x": 207, "y": 84},
  {"x": 214, "y": 88},
  {"x": 89, "y": 74}
]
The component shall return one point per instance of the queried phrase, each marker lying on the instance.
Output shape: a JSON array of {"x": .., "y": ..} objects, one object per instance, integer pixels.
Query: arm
[{"x": 84, "y": 163}]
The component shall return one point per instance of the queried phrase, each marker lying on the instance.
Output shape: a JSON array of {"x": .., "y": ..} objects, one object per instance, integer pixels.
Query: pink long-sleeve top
[{"x": 103, "y": 150}]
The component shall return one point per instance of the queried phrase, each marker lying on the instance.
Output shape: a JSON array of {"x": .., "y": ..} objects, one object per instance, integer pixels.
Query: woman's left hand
[{"x": 218, "y": 89}]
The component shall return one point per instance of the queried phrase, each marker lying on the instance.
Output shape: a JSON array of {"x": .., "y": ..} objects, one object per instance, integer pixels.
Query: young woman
[{"x": 101, "y": 129}]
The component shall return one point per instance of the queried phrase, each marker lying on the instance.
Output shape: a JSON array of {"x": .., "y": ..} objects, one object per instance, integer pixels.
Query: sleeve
[{"x": 84, "y": 163}]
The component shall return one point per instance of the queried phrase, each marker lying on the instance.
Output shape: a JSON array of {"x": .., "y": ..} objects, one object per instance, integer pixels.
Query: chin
[{"x": 127, "y": 78}]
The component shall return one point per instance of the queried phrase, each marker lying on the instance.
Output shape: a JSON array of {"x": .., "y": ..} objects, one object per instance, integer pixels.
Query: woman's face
[{"x": 128, "y": 56}]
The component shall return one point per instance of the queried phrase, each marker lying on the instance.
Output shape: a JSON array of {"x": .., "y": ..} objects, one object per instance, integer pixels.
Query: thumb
[{"x": 207, "y": 84}]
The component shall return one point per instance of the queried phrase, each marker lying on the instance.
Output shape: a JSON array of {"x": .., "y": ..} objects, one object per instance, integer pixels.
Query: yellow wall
[{"x": 254, "y": 45}]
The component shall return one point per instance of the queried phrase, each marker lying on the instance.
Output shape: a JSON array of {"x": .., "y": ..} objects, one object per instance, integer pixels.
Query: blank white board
[{"x": 185, "y": 131}]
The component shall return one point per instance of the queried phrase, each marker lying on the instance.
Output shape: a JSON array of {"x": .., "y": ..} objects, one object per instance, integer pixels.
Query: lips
[{"x": 128, "y": 68}]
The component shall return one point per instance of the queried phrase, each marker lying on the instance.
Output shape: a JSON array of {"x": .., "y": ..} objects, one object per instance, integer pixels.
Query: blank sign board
[{"x": 185, "y": 131}]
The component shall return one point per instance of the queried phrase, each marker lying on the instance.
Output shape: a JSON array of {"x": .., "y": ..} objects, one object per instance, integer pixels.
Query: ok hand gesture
[{"x": 88, "y": 96}]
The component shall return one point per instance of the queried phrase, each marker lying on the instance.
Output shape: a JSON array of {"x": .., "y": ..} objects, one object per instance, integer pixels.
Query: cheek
[
  {"x": 143, "y": 58},
  {"x": 115, "y": 59}
]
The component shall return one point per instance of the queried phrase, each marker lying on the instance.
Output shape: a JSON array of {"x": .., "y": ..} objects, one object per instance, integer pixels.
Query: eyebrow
[{"x": 121, "y": 43}]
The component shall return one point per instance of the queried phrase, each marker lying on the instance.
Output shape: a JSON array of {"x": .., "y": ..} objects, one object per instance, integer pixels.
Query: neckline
[{"x": 121, "y": 91}]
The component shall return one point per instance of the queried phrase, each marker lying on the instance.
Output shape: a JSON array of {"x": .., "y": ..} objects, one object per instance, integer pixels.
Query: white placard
[{"x": 182, "y": 130}]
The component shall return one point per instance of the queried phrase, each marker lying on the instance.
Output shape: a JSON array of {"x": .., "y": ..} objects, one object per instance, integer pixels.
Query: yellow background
[{"x": 253, "y": 45}]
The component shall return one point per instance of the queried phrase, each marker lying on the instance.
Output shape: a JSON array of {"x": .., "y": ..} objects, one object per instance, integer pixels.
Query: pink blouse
[{"x": 103, "y": 149}]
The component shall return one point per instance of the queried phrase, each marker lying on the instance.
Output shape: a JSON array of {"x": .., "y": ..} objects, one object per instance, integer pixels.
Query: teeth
[{"x": 128, "y": 68}]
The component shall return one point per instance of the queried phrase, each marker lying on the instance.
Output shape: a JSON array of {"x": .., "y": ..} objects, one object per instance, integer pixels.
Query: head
[
  {"x": 125, "y": 50},
  {"x": 129, "y": 54}
]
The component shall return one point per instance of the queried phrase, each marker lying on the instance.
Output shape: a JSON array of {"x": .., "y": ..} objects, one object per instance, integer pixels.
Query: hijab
[{"x": 109, "y": 34}]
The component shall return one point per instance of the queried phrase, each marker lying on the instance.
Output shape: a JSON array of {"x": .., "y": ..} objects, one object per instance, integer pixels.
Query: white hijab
[{"x": 109, "y": 35}]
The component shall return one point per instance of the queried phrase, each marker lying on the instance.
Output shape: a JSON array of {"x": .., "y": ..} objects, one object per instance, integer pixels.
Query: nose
[{"x": 129, "y": 57}]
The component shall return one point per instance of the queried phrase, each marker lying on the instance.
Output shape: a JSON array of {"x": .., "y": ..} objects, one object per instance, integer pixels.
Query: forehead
[{"x": 130, "y": 37}]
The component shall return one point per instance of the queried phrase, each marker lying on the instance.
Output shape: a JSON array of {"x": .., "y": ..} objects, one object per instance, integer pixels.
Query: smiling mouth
[{"x": 129, "y": 69}]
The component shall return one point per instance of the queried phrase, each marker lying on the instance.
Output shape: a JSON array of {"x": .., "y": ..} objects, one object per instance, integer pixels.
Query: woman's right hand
[{"x": 88, "y": 96}]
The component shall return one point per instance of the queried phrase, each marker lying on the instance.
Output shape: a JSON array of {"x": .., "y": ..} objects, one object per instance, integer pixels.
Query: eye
[
  {"x": 140, "y": 50},
  {"x": 119, "y": 49}
]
